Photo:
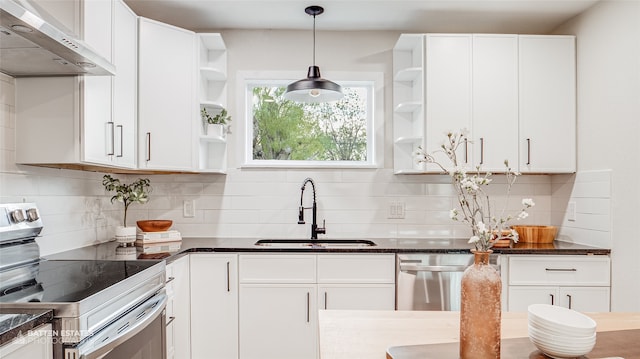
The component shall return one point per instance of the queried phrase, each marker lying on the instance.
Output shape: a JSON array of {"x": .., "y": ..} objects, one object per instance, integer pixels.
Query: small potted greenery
[
  {"x": 127, "y": 194},
  {"x": 215, "y": 126}
]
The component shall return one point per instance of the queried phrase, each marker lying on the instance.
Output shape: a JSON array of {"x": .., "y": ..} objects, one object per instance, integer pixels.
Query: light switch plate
[
  {"x": 396, "y": 210},
  {"x": 571, "y": 211},
  {"x": 189, "y": 208}
]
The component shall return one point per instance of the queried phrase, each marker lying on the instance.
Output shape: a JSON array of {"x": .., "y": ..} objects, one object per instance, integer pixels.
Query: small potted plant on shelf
[
  {"x": 215, "y": 126},
  {"x": 127, "y": 194}
]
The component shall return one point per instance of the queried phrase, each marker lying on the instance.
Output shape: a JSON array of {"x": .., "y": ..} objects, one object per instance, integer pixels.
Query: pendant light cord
[{"x": 314, "y": 40}]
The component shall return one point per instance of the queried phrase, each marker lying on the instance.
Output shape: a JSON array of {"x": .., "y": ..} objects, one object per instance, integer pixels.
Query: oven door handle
[
  {"x": 433, "y": 268},
  {"x": 122, "y": 330}
]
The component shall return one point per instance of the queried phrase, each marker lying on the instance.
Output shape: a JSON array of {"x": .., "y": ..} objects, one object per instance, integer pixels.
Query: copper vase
[{"x": 480, "y": 310}]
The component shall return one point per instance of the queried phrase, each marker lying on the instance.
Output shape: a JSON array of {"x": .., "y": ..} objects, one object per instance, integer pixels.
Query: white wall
[
  {"x": 608, "y": 75},
  {"x": 259, "y": 203}
]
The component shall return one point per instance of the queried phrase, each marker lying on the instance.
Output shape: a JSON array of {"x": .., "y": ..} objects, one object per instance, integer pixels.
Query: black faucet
[{"x": 314, "y": 209}]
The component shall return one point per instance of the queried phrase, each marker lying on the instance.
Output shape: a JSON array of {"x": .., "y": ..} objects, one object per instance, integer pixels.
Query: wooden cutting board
[{"x": 622, "y": 343}]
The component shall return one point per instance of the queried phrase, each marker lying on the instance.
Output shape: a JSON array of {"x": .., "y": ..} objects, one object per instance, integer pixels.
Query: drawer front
[
  {"x": 357, "y": 296},
  {"x": 277, "y": 268},
  {"x": 560, "y": 270},
  {"x": 356, "y": 268}
]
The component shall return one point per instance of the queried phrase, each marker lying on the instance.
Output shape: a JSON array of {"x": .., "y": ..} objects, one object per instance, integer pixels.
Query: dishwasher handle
[{"x": 432, "y": 268}]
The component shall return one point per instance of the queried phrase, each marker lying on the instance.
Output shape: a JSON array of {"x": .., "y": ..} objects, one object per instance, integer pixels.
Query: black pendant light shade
[{"x": 313, "y": 88}]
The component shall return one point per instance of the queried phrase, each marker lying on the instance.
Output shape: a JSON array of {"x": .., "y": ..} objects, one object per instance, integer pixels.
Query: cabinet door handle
[
  {"x": 148, "y": 146},
  {"x": 569, "y": 296},
  {"x": 171, "y": 319},
  {"x": 561, "y": 269},
  {"x": 308, "y": 307},
  {"x": 325, "y": 300},
  {"x": 228, "y": 280},
  {"x": 528, "y": 151},
  {"x": 121, "y": 141},
  {"x": 111, "y": 141},
  {"x": 552, "y": 297},
  {"x": 466, "y": 151},
  {"x": 481, "y": 150},
  {"x": 169, "y": 280}
]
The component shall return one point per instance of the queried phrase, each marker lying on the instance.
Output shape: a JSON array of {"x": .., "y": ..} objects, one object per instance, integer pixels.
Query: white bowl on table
[{"x": 560, "y": 332}]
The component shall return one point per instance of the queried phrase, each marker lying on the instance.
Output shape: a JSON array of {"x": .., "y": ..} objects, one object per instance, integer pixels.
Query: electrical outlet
[
  {"x": 396, "y": 210},
  {"x": 571, "y": 211},
  {"x": 189, "y": 208},
  {"x": 101, "y": 229}
]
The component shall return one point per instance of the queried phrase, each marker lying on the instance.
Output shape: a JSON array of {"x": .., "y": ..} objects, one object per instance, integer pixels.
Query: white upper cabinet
[
  {"x": 110, "y": 101},
  {"x": 514, "y": 93},
  {"x": 448, "y": 78},
  {"x": 495, "y": 102},
  {"x": 82, "y": 120},
  {"x": 547, "y": 89},
  {"x": 125, "y": 85},
  {"x": 166, "y": 102}
]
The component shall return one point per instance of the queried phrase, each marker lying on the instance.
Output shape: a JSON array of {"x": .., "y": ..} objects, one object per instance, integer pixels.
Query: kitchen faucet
[{"x": 314, "y": 209}]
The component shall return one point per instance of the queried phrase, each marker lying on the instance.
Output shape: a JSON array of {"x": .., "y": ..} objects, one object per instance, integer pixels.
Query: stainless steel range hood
[{"x": 32, "y": 45}]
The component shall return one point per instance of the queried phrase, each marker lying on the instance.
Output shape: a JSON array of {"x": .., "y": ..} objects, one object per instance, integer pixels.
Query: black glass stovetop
[{"x": 64, "y": 281}]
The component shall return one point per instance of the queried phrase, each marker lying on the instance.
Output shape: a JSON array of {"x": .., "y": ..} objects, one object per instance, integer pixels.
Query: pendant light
[{"x": 314, "y": 88}]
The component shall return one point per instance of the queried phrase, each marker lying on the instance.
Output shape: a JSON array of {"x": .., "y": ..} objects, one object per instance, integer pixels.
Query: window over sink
[{"x": 284, "y": 133}]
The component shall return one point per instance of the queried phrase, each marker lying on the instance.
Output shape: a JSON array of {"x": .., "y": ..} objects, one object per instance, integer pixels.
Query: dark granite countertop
[
  {"x": 111, "y": 250},
  {"x": 14, "y": 322}
]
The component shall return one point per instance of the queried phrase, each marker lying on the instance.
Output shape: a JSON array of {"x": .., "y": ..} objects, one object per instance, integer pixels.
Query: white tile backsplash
[
  {"x": 248, "y": 202},
  {"x": 591, "y": 193}
]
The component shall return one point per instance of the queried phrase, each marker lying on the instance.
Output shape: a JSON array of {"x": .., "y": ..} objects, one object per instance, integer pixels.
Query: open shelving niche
[
  {"x": 408, "y": 102},
  {"x": 212, "y": 92}
]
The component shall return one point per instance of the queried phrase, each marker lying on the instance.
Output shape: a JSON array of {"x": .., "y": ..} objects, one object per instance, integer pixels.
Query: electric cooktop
[{"x": 68, "y": 281}]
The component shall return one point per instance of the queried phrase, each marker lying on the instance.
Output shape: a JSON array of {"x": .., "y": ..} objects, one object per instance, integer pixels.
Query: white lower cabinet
[
  {"x": 280, "y": 296},
  {"x": 278, "y": 321},
  {"x": 214, "y": 306},
  {"x": 584, "y": 299},
  {"x": 35, "y": 345},
  {"x": 576, "y": 282},
  {"x": 178, "y": 309}
]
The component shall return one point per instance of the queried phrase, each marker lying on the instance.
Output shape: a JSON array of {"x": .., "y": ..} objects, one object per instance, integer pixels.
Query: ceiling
[{"x": 497, "y": 16}]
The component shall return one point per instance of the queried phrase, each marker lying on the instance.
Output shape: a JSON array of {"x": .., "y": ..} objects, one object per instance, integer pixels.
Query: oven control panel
[{"x": 19, "y": 220}]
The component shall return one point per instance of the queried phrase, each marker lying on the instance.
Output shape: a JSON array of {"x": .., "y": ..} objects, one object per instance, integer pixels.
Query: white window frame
[{"x": 375, "y": 117}]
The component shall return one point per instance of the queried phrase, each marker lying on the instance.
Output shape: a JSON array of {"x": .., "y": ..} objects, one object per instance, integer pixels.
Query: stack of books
[{"x": 158, "y": 242}]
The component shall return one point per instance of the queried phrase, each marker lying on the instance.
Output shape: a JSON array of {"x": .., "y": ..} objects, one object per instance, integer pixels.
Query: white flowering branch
[{"x": 473, "y": 201}]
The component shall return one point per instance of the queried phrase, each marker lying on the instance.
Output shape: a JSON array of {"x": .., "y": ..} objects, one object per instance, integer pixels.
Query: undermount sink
[{"x": 315, "y": 243}]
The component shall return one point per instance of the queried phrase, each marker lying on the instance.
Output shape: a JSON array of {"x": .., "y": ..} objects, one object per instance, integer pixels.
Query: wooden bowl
[
  {"x": 536, "y": 234},
  {"x": 155, "y": 225}
]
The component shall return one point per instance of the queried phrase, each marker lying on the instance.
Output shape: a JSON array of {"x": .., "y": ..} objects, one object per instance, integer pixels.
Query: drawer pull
[{"x": 561, "y": 269}]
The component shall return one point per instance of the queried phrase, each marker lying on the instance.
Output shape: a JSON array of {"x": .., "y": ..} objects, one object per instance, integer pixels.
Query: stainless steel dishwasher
[{"x": 431, "y": 281}]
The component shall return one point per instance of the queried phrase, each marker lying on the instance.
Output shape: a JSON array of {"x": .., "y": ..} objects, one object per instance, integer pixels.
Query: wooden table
[{"x": 347, "y": 334}]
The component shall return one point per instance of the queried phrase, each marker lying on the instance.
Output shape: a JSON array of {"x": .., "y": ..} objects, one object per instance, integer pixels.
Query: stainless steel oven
[
  {"x": 431, "y": 281},
  {"x": 102, "y": 309},
  {"x": 140, "y": 334}
]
